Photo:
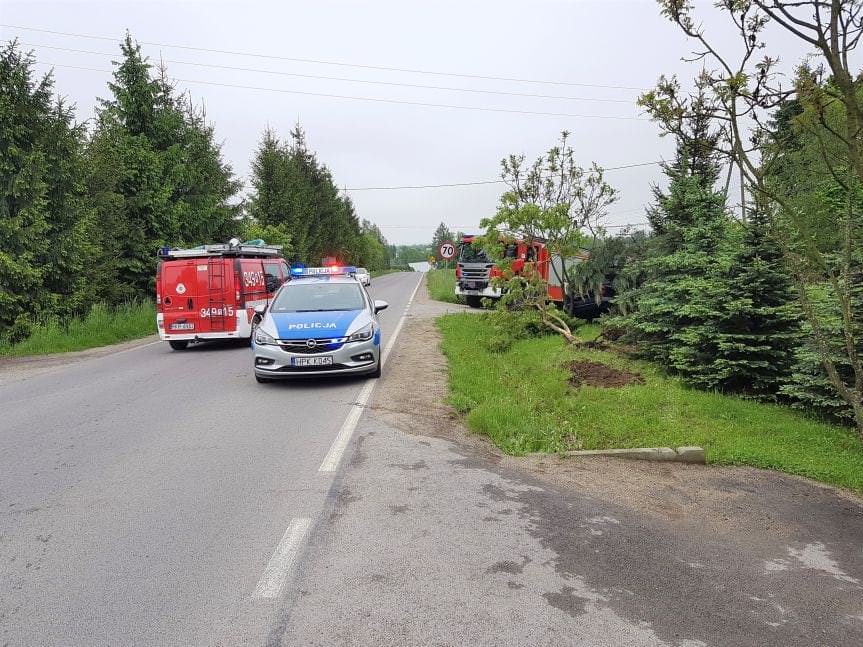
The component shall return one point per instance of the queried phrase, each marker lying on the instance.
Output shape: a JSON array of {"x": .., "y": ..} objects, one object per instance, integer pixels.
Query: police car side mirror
[{"x": 381, "y": 305}]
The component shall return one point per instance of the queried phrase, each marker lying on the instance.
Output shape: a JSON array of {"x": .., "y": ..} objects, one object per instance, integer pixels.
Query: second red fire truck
[{"x": 476, "y": 271}]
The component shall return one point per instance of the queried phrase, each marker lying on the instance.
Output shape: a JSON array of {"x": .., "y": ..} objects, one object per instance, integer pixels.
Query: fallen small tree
[{"x": 555, "y": 201}]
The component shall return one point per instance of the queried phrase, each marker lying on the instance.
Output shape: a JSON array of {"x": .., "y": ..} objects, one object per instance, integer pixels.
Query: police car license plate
[
  {"x": 326, "y": 360},
  {"x": 185, "y": 326}
]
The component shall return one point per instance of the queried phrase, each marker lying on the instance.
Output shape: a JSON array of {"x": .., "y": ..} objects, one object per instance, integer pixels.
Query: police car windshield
[{"x": 319, "y": 296}]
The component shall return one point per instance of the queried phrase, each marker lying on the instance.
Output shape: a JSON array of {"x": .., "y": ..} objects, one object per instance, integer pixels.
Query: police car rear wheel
[{"x": 179, "y": 344}]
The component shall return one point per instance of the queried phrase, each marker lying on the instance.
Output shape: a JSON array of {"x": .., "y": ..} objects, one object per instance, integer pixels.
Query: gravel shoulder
[{"x": 13, "y": 369}]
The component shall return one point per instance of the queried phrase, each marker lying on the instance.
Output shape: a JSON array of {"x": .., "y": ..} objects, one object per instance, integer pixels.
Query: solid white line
[
  {"x": 273, "y": 580},
  {"x": 337, "y": 449}
]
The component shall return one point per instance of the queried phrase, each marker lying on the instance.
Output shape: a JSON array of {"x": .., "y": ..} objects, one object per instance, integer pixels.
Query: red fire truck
[
  {"x": 475, "y": 272},
  {"x": 210, "y": 292}
]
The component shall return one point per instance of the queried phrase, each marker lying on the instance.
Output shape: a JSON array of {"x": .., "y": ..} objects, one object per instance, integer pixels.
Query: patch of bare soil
[
  {"x": 601, "y": 375},
  {"x": 712, "y": 499}
]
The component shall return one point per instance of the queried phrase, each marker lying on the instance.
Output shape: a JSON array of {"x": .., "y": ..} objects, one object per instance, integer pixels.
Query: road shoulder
[{"x": 14, "y": 369}]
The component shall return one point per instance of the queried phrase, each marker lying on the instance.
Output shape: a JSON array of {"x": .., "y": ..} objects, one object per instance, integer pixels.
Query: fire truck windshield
[
  {"x": 319, "y": 297},
  {"x": 470, "y": 254}
]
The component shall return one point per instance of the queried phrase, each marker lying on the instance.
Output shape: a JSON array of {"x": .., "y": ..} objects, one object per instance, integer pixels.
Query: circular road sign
[{"x": 447, "y": 250}]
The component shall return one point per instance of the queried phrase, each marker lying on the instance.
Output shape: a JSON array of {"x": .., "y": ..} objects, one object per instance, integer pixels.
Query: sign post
[{"x": 447, "y": 251}]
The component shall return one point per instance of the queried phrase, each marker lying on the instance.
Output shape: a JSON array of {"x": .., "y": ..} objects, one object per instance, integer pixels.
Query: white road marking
[
  {"x": 337, "y": 449},
  {"x": 273, "y": 580}
]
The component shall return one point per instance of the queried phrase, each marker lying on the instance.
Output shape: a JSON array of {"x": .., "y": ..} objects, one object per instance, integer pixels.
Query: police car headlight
[
  {"x": 363, "y": 334},
  {"x": 264, "y": 338}
]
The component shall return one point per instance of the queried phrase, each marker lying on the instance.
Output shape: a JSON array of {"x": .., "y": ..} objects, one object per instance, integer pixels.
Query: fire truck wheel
[
  {"x": 474, "y": 301},
  {"x": 180, "y": 344}
]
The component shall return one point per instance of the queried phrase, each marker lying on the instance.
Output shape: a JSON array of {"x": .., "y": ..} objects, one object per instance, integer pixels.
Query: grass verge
[
  {"x": 101, "y": 327},
  {"x": 521, "y": 398},
  {"x": 441, "y": 285}
]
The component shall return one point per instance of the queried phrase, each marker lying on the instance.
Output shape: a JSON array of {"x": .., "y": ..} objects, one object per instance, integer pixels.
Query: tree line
[{"x": 86, "y": 206}]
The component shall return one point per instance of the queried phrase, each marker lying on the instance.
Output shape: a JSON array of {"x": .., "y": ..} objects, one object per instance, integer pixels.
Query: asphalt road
[{"x": 143, "y": 494}]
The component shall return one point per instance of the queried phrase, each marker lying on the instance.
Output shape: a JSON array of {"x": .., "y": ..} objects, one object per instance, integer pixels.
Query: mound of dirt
[{"x": 594, "y": 374}]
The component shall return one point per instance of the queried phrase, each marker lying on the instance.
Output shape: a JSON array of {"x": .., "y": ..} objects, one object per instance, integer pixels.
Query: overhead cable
[{"x": 326, "y": 62}]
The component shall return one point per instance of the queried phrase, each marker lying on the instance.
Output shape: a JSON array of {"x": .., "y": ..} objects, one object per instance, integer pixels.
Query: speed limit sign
[{"x": 447, "y": 250}]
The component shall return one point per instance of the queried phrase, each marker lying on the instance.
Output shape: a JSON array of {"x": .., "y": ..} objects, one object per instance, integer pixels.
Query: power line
[
  {"x": 349, "y": 80},
  {"x": 478, "y": 182},
  {"x": 372, "y": 99},
  {"x": 325, "y": 62}
]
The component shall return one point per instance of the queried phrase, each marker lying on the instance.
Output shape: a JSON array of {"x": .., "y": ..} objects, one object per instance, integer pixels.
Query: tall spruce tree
[
  {"x": 156, "y": 176},
  {"x": 293, "y": 191},
  {"x": 680, "y": 307},
  {"x": 758, "y": 336},
  {"x": 43, "y": 217}
]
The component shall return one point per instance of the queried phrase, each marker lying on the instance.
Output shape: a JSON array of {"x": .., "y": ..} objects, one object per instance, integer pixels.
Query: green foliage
[
  {"x": 760, "y": 330},
  {"x": 44, "y": 220},
  {"x": 101, "y": 326},
  {"x": 272, "y": 234},
  {"x": 715, "y": 306},
  {"x": 682, "y": 304},
  {"x": 404, "y": 254},
  {"x": 293, "y": 190},
  {"x": 807, "y": 384},
  {"x": 616, "y": 261},
  {"x": 553, "y": 200},
  {"x": 521, "y": 399},
  {"x": 156, "y": 177}
]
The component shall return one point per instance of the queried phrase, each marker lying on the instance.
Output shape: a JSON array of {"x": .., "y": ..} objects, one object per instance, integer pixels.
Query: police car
[{"x": 321, "y": 321}]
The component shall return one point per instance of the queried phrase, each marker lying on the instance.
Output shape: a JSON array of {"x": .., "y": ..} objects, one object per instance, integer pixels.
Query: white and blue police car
[{"x": 322, "y": 321}]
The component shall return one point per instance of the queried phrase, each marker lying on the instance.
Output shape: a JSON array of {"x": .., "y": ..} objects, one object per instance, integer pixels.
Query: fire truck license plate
[
  {"x": 185, "y": 326},
  {"x": 326, "y": 360}
]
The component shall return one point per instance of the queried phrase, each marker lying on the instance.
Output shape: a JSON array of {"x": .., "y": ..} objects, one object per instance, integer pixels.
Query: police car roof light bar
[{"x": 336, "y": 270}]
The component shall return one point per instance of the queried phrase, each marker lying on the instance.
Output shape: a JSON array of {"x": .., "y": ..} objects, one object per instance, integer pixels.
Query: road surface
[{"x": 155, "y": 497}]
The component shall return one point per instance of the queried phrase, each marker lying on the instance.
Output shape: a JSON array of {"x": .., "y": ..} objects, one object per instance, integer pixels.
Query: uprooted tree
[
  {"x": 742, "y": 92},
  {"x": 555, "y": 201}
]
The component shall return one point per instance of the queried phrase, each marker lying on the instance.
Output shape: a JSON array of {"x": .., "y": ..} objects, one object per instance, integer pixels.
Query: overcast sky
[{"x": 372, "y": 144}]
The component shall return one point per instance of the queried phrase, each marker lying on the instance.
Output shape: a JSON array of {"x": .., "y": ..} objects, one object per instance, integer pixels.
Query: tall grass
[
  {"x": 521, "y": 398},
  {"x": 441, "y": 285},
  {"x": 101, "y": 326}
]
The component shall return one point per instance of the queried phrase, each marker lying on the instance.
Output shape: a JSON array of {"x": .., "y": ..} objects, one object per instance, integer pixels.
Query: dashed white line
[
  {"x": 273, "y": 580},
  {"x": 337, "y": 449}
]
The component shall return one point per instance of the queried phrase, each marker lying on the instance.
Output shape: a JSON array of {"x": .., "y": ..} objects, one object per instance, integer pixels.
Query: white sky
[{"x": 607, "y": 42}]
